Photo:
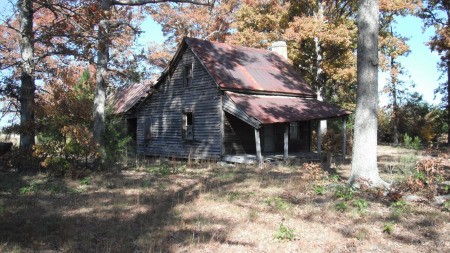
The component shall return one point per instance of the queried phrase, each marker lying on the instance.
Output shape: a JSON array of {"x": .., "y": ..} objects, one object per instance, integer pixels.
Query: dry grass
[{"x": 213, "y": 208}]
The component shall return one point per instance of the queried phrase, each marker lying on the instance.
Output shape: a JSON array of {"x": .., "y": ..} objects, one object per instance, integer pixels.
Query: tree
[
  {"x": 364, "y": 159},
  {"x": 436, "y": 13},
  {"x": 106, "y": 29},
  {"x": 28, "y": 87},
  {"x": 392, "y": 47},
  {"x": 41, "y": 29}
]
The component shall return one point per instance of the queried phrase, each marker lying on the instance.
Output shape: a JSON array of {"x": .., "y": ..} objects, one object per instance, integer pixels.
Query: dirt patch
[{"x": 213, "y": 208}]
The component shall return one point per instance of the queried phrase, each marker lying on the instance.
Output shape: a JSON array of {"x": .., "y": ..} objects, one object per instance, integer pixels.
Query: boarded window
[
  {"x": 147, "y": 128},
  {"x": 187, "y": 74},
  {"x": 188, "y": 126},
  {"x": 293, "y": 131}
]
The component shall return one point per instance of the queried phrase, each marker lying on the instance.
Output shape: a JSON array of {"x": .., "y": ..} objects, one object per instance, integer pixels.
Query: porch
[
  {"x": 271, "y": 128},
  {"x": 276, "y": 157}
]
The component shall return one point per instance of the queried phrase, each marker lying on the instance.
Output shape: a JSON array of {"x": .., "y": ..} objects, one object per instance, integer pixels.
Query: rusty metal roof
[
  {"x": 248, "y": 69},
  {"x": 124, "y": 99},
  {"x": 278, "y": 109}
]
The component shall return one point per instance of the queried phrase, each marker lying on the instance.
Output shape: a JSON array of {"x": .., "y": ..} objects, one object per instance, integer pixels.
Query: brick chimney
[{"x": 280, "y": 47}]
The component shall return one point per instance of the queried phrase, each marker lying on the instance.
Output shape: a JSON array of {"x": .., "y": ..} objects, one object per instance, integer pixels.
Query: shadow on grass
[{"x": 110, "y": 220}]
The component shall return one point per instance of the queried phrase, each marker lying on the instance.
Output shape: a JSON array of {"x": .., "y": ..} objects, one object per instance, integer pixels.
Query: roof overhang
[{"x": 262, "y": 109}]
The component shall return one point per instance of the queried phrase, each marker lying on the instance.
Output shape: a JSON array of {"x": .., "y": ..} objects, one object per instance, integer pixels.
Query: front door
[{"x": 269, "y": 139}]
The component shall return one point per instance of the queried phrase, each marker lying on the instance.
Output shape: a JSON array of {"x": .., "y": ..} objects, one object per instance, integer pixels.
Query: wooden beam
[
  {"x": 344, "y": 137},
  {"x": 258, "y": 147},
  {"x": 286, "y": 142}
]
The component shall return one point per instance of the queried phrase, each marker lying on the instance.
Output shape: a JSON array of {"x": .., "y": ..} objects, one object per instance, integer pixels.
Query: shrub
[
  {"x": 389, "y": 227},
  {"x": 341, "y": 206},
  {"x": 312, "y": 171},
  {"x": 426, "y": 175},
  {"x": 398, "y": 208},
  {"x": 411, "y": 143},
  {"x": 446, "y": 206},
  {"x": 284, "y": 233},
  {"x": 20, "y": 160},
  {"x": 116, "y": 140},
  {"x": 279, "y": 203},
  {"x": 344, "y": 192},
  {"x": 318, "y": 189},
  {"x": 361, "y": 205}
]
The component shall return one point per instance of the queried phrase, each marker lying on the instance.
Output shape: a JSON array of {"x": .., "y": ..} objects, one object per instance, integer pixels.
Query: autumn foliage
[{"x": 63, "y": 125}]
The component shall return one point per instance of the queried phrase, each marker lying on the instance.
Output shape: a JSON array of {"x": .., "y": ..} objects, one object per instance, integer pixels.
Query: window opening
[
  {"x": 188, "y": 126},
  {"x": 188, "y": 75}
]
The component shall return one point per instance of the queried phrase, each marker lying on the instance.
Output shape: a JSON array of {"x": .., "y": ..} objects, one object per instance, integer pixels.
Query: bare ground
[{"x": 216, "y": 208}]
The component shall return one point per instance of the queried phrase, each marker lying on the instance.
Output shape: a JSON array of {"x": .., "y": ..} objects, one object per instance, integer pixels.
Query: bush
[
  {"x": 411, "y": 143},
  {"x": 22, "y": 160},
  {"x": 426, "y": 175},
  {"x": 361, "y": 205},
  {"x": 285, "y": 233},
  {"x": 116, "y": 140},
  {"x": 344, "y": 192}
]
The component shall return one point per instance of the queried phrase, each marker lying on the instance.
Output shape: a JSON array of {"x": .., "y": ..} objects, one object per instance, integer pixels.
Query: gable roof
[
  {"x": 126, "y": 98},
  {"x": 244, "y": 69}
]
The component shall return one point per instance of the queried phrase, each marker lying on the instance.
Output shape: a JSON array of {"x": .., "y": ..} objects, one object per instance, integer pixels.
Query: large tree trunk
[
  {"x": 101, "y": 78},
  {"x": 364, "y": 160},
  {"x": 27, "y": 88}
]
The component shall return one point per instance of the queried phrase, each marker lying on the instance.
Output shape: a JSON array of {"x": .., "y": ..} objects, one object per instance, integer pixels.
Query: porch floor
[{"x": 275, "y": 157}]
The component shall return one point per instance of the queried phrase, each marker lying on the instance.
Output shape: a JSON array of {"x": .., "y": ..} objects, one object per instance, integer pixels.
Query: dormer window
[{"x": 187, "y": 75}]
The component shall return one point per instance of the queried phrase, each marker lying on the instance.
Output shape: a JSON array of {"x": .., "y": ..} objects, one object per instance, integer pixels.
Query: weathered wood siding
[
  {"x": 239, "y": 137},
  {"x": 165, "y": 109}
]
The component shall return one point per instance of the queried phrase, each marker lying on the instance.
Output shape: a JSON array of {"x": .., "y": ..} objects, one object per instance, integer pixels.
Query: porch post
[
  {"x": 319, "y": 138},
  {"x": 286, "y": 142},
  {"x": 344, "y": 137},
  {"x": 258, "y": 147}
]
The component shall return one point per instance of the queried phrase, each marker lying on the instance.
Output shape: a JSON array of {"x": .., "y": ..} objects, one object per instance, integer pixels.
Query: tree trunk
[
  {"x": 101, "y": 79},
  {"x": 27, "y": 88},
  {"x": 448, "y": 102},
  {"x": 364, "y": 160},
  {"x": 394, "y": 103},
  {"x": 319, "y": 71}
]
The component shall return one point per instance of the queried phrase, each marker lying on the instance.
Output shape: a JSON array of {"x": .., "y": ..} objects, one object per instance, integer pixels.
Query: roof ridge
[{"x": 233, "y": 45}]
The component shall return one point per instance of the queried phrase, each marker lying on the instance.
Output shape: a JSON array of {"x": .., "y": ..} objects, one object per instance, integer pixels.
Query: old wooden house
[{"x": 221, "y": 101}]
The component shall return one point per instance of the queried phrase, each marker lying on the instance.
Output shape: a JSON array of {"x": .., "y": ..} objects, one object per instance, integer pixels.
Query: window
[
  {"x": 293, "y": 131},
  {"x": 187, "y": 75},
  {"x": 147, "y": 128},
  {"x": 188, "y": 126}
]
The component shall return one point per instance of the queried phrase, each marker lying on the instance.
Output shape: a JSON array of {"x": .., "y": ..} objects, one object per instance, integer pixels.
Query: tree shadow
[{"x": 115, "y": 219}]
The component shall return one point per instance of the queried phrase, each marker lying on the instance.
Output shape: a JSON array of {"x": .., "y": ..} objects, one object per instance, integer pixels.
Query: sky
[{"x": 420, "y": 64}]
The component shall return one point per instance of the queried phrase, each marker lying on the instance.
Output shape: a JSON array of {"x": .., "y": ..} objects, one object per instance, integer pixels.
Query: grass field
[{"x": 218, "y": 208}]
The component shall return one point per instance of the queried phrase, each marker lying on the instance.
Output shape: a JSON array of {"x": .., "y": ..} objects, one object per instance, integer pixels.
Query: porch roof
[{"x": 279, "y": 109}]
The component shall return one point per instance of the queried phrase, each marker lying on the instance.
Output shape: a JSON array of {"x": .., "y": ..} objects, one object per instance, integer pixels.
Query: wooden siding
[
  {"x": 239, "y": 137},
  {"x": 166, "y": 106}
]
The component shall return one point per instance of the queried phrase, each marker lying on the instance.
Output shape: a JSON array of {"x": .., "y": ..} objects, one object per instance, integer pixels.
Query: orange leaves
[{"x": 401, "y": 6}]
